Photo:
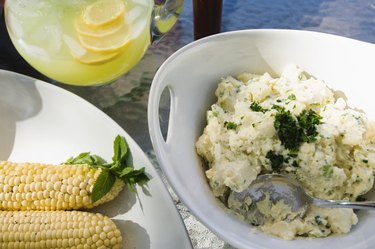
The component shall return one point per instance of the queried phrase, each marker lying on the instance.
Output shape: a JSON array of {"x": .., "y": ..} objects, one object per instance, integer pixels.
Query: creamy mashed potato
[{"x": 293, "y": 125}]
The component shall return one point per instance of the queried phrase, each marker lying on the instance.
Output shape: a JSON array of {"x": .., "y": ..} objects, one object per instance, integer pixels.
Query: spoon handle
[{"x": 367, "y": 205}]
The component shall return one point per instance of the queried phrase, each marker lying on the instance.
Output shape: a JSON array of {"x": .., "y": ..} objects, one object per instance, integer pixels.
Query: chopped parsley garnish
[
  {"x": 365, "y": 160},
  {"x": 230, "y": 125},
  {"x": 318, "y": 220},
  {"x": 288, "y": 130},
  {"x": 275, "y": 159},
  {"x": 293, "y": 131},
  {"x": 278, "y": 108},
  {"x": 292, "y": 97},
  {"x": 308, "y": 120},
  {"x": 295, "y": 164},
  {"x": 327, "y": 170},
  {"x": 293, "y": 153},
  {"x": 257, "y": 108}
]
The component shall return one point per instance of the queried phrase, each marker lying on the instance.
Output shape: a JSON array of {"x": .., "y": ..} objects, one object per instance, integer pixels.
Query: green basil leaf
[
  {"x": 132, "y": 176},
  {"x": 126, "y": 171},
  {"x": 120, "y": 149},
  {"x": 86, "y": 158},
  {"x": 140, "y": 180},
  {"x": 102, "y": 185}
]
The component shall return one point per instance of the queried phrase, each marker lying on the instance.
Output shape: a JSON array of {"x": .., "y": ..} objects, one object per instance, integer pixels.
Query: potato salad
[{"x": 293, "y": 125}]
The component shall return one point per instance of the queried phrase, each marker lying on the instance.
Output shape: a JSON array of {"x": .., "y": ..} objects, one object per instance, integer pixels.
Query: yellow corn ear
[
  {"x": 57, "y": 229},
  {"x": 35, "y": 186}
]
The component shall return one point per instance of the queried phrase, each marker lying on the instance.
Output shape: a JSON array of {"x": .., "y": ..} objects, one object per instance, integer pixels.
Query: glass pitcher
[{"x": 87, "y": 42}]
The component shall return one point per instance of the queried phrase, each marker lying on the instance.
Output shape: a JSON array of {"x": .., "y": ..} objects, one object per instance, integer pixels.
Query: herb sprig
[{"x": 117, "y": 169}]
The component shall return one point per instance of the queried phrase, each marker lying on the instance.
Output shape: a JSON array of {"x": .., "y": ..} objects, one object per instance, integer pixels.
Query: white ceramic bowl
[{"x": 192, "y": 74}]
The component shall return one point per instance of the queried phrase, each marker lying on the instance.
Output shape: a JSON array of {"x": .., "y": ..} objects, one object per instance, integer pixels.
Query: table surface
[{"x": 125, "y": 100}]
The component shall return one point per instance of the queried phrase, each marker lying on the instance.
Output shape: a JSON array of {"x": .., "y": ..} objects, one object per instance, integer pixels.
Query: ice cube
[
  {"x": 144, "y": 3},
  {"x": 30, "y": 8},
  {"x": 74, "y": 45},
  {"x": 35, "y": 51},
  {"x": 21, "y": 10},
  {"x": 138, "y": 28},
  {"x": 54, "y": 36},
  {"x": 133, "y": 14}
]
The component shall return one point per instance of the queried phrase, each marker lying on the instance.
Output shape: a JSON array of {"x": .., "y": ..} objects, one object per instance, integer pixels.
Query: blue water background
[{"x": 349, "y": 18}]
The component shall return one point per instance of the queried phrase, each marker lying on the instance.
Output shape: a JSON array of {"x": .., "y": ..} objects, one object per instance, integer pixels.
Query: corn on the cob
[
  {"x": 57, "y": 229},
  {"x": 34, "y": 186}
]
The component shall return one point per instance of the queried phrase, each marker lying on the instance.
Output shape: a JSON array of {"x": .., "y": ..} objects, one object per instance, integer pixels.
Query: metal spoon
[{"x": 281, "y": 187}]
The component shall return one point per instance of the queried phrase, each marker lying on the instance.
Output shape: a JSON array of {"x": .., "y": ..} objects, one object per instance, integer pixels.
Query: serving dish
[
  {"x": 191, "y": 76},
  {"x": 43, "y": 123}
]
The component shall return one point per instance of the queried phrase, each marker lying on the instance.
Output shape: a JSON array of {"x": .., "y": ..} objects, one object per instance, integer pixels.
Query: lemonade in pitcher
[{"x": 80, "y": 42}]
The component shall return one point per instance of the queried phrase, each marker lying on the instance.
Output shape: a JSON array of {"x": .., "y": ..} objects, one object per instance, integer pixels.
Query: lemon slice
[
  {"x": 84, "y": 56},
  {"x": 94, "y": 57},
  {"x": 108, "y": 43},
  {"x": 103, "y": 12},
  {"x": 100, "y": 31}
]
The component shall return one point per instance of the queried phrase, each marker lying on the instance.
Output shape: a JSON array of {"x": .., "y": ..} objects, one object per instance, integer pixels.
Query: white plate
[{"x": 40, "y": 122}]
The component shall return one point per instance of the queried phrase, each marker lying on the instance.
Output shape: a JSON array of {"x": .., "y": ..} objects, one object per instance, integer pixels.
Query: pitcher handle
[{"x": 164, "y": 17}]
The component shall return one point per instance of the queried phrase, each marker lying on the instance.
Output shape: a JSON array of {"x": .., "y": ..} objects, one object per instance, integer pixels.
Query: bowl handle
[{"x": 160, "y": 122}]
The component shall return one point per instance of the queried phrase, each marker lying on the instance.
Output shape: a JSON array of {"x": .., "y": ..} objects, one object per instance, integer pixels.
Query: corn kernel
[{"x": 57, "y": 186}]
